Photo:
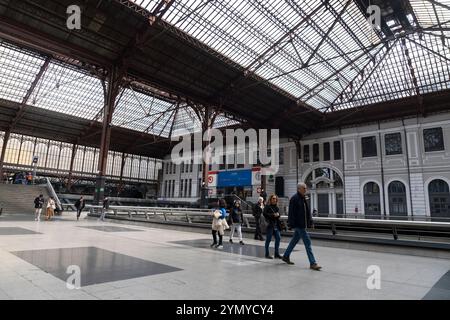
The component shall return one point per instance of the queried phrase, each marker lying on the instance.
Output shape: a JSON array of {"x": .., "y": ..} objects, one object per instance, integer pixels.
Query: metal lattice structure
[
  {"x": 325, "y": 53},
  {"x": 258, "y": 63}
]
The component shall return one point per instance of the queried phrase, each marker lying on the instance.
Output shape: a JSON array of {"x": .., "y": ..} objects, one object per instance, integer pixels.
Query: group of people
[
  {"x": 50, "y": 206},
  {"x": 299, "y": 219},
  {"x": 80, "y": 204}
]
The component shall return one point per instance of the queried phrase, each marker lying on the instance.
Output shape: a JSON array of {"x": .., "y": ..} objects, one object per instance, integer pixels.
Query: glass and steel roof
[
  {"x": 69, "y": 90},
  {"x": 327, "y": 56}
]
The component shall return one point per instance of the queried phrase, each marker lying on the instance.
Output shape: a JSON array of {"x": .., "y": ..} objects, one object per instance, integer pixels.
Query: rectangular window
[
  {"x": 173, "y": 188},
  {"x": 326, "y": 151},
  {"x": 306, "y": 153},
  {"x": 369, "y": 146},
  {"x": 316, "y": 155},
  {"x": 182, "y": 167},
  {"x": 181, "y": 187},
  {"x": 190, "y": 188},
  {"x": 433, "y": 139},
  {"x": 337, "y": 150},
  {"x": 222, "y": 165},
  {"x": 393, "y": 143},
  {"x": 281, "y": 155}
]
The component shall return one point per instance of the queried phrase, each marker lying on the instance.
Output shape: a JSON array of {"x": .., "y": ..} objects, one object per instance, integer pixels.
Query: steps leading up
[{"x": 19, "y": 199}]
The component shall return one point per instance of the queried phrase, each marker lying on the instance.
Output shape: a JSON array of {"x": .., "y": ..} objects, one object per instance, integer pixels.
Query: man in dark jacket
[
  {"x": 299, "y": 219},
  {"x": 105, "y": 208},
  {"x": 80, "y": 204}
]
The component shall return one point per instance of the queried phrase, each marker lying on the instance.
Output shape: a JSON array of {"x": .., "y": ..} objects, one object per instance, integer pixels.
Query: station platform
[{"x": 119, "y": 261}]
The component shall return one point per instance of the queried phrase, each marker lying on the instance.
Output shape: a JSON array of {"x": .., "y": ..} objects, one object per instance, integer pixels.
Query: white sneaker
[{"x": 35, "y": 219}]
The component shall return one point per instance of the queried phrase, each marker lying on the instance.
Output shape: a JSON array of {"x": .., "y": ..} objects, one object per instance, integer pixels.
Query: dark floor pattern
[
  {"x": 13, "y": 231},
  {"x": 111, "y": 229},
  {"x": 245, "y": 250},
  {"x": 441, "y": 290},
  {"x": 96, "y": 265}
]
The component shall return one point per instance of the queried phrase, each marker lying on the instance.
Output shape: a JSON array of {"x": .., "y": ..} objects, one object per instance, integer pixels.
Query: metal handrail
[
  {"x": 53, "y": 193},
  {"x": 333, "y": 223}
]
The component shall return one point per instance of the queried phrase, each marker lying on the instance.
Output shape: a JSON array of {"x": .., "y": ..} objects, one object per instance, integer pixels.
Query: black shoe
[
  {"x": 213, "y": 245},
  {"x": 231, "y": 241},
  {"x": 287, "y": 260},
  {"x": 241, "y": 243},
  {"x": 277, "y": 256},
  {"x": 262, "y": 239},
  {"x": 269, "y": 257}
]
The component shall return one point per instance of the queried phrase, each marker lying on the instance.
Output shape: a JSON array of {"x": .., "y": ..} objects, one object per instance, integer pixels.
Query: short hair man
[{"x": 299, "y": 219}]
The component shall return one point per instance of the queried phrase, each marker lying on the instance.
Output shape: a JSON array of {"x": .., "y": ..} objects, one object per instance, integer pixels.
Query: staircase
[{"x": 19, "y": 199}]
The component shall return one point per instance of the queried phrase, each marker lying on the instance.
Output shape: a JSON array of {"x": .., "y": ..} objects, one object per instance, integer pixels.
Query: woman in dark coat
[{"x": 272, "y": 215}]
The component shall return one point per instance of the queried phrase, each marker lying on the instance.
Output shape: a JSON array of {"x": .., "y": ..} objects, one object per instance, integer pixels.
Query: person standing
[
  {"x": 80, "y": 204},
  {"x": 299, "y": 218},
  {"x": 272, "y": 214},
  {"x": 257, "y": 213},
  {"x": 263, "y": 194},
  {"x": 105, "y": 208},
  {"x": 38, "y": 204},
  {"x": 237, "y": 217},
  {"x": 51, "y": 206},
  {"x": 219, "y": 224}
]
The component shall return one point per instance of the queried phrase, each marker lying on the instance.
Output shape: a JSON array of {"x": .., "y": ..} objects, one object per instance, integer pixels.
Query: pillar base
[{"x": 99, "y": 193}]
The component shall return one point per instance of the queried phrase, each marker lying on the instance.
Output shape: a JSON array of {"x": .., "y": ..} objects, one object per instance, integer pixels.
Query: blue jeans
[
  {"x": 270, "y": 231},
  {"x": 301, "y": 234}
]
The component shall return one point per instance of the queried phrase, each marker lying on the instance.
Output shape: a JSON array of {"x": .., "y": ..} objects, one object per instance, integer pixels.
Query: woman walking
[
  {"x": 51, "y": 206},
  {"x": 257, "y": 213},
  {"x": 272, "y": 214},
  {"x": 219, "y": 224},
  {"x": 237, "y": 218}
]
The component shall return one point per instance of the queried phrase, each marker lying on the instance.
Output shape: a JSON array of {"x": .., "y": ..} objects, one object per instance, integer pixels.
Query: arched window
[
  {"x": 372, "y": 205},
  {"x": 439, "y": 194},
  {"x": 397, "y": 199}
]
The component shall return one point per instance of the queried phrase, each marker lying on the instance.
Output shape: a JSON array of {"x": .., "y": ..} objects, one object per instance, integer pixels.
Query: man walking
[
  {"x": 105, "y": 208},
  {"x": 299, "y": 219},
  {"x": 80, "y": 204},
  {"x": 38, "y": 204}
]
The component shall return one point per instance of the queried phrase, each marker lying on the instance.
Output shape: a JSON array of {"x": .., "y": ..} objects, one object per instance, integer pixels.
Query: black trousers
[
  {"x": 214, "y": 233},
  {"x": 79, "y": 212},
  {"x": 258, "y": 231}
]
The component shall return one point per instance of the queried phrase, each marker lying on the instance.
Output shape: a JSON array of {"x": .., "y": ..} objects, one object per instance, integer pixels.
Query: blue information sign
[{"x": 236, "y": 178}]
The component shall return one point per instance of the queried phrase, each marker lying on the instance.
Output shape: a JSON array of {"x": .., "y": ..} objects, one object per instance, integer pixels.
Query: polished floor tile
[
  {"x": 250, "y": 250},
  {"x": 13, "y": 231},
  {"x": 96, "y": 265},
  {"x": 111, "y": 229},
  {"x": 441, "y": 290}
]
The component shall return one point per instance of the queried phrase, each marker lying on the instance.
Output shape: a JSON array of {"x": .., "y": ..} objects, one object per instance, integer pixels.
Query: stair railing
[{"x": 53, "y": 194}]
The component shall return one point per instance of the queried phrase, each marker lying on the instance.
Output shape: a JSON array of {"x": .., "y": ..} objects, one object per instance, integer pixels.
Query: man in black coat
[
  {"x": 80, "y": 204},
  {"x": 299, "y": 219}
]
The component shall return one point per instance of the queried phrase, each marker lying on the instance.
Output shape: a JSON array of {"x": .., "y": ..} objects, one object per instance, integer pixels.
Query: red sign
[
  {"x": 210, "y": 179},
  {"x": 258, "y": 189}
]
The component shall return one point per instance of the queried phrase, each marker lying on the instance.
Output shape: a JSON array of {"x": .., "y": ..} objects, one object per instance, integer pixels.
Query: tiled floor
[
  {"x": 110, "y": 229},
  {"x": 166, "y": 264},
  {"x": 11, "y": 231}
]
